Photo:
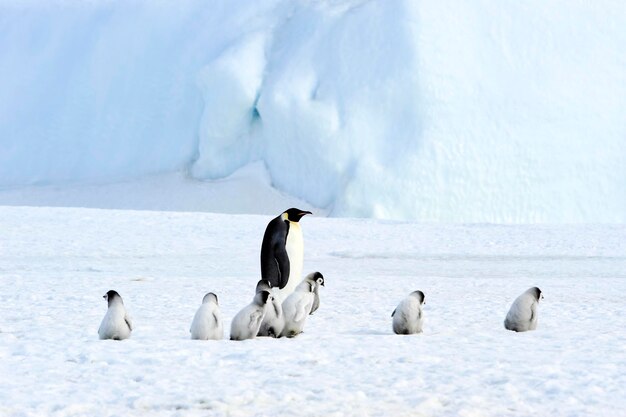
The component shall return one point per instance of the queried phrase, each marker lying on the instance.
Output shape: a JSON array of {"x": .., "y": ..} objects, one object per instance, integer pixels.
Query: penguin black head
[
  {"x": 420, "y": 296},
  {"x": 210, "y": 297},
  {"x": 263, "y": 285},
  {"x": 536, "y": 292},
  {"x": 110, "y": 296},
  {"x": 294, "y": 214}
]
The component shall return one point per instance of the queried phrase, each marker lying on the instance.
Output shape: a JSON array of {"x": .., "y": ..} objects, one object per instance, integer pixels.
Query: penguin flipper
[
  {"x": 533, "y": 317},
  {"x": 316, "y": 304},
  {"x": 301, "y": 310},
  {"x": 129, "y": 322},
  {"x": 277, "y": 308},
  {"x": 282, "y": 262},
  {"x": 255, "y": 321},
  {"x": 276, "y": 270}
]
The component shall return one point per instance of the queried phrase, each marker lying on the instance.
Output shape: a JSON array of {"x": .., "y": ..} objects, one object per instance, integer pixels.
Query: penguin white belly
[{"x": 295, "y": 250}]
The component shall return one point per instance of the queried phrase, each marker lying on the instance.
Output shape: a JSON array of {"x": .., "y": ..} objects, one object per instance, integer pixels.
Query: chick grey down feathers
[
  {"x": 207, "y": 322},
  {"x": 317, "y": 279},
  {"x": 297, "y": 307},
  {"x": 246, "y": 323},
  {"x": 116, "y": 324},
  {"x": 273, "y": 321},
  {"x": 408, "y": 317},
  {"x": 523, "y": 314}
]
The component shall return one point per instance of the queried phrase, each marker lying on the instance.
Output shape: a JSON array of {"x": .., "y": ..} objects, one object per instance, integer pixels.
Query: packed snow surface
[
  {"x": 437, "y": 111},
  {"x": 248, "y": 190},
  {"x": 56, "y": 263}
]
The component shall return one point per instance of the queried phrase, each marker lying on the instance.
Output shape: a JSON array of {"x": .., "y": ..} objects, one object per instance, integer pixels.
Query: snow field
[
  {"x": 247, "y": 191},
  {"x": 55, "y": 265}
]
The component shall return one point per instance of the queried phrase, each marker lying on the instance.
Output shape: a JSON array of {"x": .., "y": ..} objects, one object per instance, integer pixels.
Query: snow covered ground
[
  {"x": 56, "y": 263},
  {"x": 247, "y": 191}
]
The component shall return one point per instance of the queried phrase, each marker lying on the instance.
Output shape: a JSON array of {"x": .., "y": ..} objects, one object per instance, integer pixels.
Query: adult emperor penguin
[
  {"x": 318, "y": 280},
  {"x": 273, "y": 321},
  {"x": 207, "y": 323},
  {"x": 282, "y": 252},
  {"x": 246, "y": 323},
  {"x": 116, "y": 324},
  {"x": 408, "y": 317},
  {"x": 523, "y": 314},
  {"x": 297, "y": 307}
]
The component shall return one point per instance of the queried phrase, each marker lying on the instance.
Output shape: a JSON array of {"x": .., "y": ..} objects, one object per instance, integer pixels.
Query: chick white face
[
  {"x": 320, "y": 281},
  {"x": 106, "y": 297}
]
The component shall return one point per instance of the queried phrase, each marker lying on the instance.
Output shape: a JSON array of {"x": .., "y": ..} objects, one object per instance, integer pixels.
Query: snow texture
[
  {"x": 446, "y": 111},
  {"x": 246, "y": 191},
  {"x": 55, "y": 264}
]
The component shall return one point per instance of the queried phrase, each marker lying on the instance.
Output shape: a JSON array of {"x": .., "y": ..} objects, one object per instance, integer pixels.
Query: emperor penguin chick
[
  {"x": 523, "y": 314},
  {"x": 408, "y": 317},
  {"x": 274, "y": 320},
  {"x": 116, "y": 324},
  {"x": 246, "y": 323},
  {"x": 297, "y": 307},
  {"x": 207, "y": 323},
  {"x": 318, "y": 280}
]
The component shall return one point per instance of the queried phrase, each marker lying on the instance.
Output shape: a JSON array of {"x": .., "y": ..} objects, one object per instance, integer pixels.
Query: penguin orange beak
[{"x": 303, "y": 213}]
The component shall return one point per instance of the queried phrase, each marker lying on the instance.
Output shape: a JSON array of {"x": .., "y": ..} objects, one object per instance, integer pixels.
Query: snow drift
[{"x": 433, "y": 111}]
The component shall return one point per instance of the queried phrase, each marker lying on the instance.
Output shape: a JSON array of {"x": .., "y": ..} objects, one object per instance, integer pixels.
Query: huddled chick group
[{"x": 264, "y": 316}]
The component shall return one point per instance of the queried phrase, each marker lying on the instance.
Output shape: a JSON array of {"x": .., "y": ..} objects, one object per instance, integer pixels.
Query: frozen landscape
[
  {"x": 56, "y": 263},
  {"x": 467, "y": 149},
  {"x": 388, "y": 109}
]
